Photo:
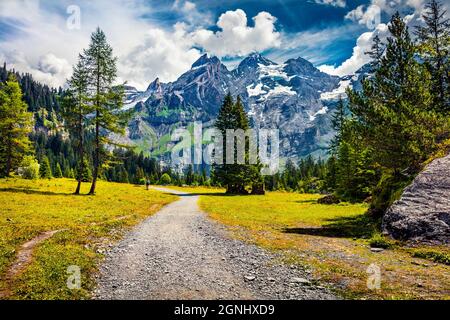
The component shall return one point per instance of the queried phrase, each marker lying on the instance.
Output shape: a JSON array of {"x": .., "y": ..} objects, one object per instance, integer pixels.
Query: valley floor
[
  {"x": 45, "y": 229},
  {"x": 281, "y": 245},
  {"x": 179, "y": 253},
  {"x": 334, "y": 242}
]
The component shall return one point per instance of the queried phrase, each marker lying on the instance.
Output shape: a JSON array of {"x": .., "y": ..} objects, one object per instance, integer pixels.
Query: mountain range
[{"x": 294, "y": 97}]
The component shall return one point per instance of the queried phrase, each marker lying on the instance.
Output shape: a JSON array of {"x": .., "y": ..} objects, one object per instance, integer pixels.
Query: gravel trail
[{"x": 179, "y": 253}]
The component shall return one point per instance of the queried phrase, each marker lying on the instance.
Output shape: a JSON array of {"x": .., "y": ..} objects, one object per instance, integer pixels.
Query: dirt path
[
  {"x": 23, "y": 259},
  {"x": 179, "y": 253}
]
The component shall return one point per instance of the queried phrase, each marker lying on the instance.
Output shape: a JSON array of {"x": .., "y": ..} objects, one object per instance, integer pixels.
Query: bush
[
  {"x": 379, "y": 241},
  {"x": 29, "y": 168},
  {"x": 432, "y": 255},
  {"x": 165, "y": 179}
]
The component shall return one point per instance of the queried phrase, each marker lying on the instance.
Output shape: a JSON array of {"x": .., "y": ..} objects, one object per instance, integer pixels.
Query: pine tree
[
  {"x": 83, "y": 172},
  {"x": 376, "y": 52},
  {"x": 236, "y": 176},
  {"x": 338, "y": 123},
  {"x": 45, "y": 170},
  {"x": 75, "y": 108},
  {"x": 15, "y": 125},
  {"x": 433, "y": 41},
  {"x": 107, "y": 100},
  {"x": 58, "y": 171}
]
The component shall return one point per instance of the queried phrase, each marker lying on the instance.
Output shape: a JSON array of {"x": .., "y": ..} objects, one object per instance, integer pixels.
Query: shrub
[
  {"x": 379, "y": 241},
  {"x": 29, "y": 168},
  {"x": 432, "y": 255},
  {"x": 165, "y": 179}
]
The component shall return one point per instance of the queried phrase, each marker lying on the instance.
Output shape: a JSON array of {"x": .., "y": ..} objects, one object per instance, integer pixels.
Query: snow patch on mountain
[
  {"x": 313, "y": 117},
  {"x": 274, "y": 71},
  {"x": 257, "y": 90},
  {"x": 338, "y": 93},
  {"x": 279, "y": 90}
]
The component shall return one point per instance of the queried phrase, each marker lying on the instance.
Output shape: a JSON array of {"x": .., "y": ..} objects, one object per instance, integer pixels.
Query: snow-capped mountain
[{"x": 294, "y": 97}]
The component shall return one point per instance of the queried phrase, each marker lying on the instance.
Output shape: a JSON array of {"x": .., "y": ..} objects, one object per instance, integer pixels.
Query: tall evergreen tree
[
  {"x": 107, "y": 99},
  {"x": 237, "y": 176},
  {"x": 75, "y": 108},
  {"x": 15, "y": 125},
  {"x": 58, "y": 171},
  {"x": 45, "y": 171},
  {"x": 434, "y": 46},
  {"x": 376, "y": 52},
  {"x": 338, "y": 123}
]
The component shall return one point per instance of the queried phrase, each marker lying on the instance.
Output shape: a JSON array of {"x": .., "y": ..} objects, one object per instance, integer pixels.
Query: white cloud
[
  {"x": 334, "y": 3},
  {"x": 191, "y": 14},
  {"x": 366, "y": 15},
  {"x": 163, "y": 54},
  {"x": 359, "y": 56},
  {"x": 236, "y": 38},
  {"x": 44, "y": 46}
]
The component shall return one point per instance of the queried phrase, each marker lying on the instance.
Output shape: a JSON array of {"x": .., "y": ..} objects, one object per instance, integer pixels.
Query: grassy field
[
  {"x": 87, "y": 224},
  {"x": 333, "y": 242}
]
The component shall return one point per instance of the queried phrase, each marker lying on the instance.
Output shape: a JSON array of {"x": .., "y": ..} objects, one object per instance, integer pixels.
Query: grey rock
[
  {"x": 423, "y": 212},
  {"x": 300, "y": 281}
]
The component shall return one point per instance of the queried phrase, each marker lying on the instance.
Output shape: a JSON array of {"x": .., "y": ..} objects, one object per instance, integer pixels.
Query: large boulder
[{"x": 423, "y": 212}]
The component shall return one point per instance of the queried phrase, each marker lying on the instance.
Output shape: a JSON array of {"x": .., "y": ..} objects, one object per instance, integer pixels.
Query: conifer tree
[
  {"x": 58, "y": 172},
  {"x": 434, "y": 46},
  {"x": 376, "y": 52},
  {"x": 236, "y": 176},
  {"x": 15, "y": 125},
  {"x": 45, "y": 171},
  {"x": 75, "y": 108},
  {"x": 107, "y": 99}
]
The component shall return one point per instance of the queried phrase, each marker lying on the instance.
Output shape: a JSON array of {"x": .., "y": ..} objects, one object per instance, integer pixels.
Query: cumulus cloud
[
  {"x": 163, "y": 54},
  {"x": 40, "y": 43},
  {"x": 359, "y": 56},
  {"x": 191, "y": 13},
  {"x": 334, "y": 3},
  {"x": 235, "y": 37},
  {"x": 367, "y": 15}
]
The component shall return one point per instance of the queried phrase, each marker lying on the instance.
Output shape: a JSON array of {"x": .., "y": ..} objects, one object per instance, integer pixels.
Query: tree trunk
[
  {"x": 97, "y": 134},
  {"x": 96, "y": 157},
  {"x": 81, "y": 155},
  {"x": 9, "y": 158}
]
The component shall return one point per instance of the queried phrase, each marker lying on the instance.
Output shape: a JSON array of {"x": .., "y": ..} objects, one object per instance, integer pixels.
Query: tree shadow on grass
[
  {"x": 361, "y": 226},
  {"x": 33, "y": 191}
]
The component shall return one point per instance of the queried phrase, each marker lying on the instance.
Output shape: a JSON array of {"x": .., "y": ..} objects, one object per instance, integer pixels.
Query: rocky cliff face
[{"x": 423, "y": 212}]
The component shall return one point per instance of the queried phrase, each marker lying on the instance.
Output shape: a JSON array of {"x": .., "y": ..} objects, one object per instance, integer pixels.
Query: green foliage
[
  {"x": 379, "y": 241},
  {"x": 29, "y": 168},
  {"x": 393, "y": 126},
  {"x": 236, "y": 177},
  {"x": 165, "y": 179},
  {"x": 433, "y": 46},
  {"x": 106, "y": 99},
  {"x": 84, "y": 173},
  {"x": 433, "y": 255},
  {"x": 45, "y": 171},
  {"x": 15, "y": 125},
  {"x": 58, "y": 171}
]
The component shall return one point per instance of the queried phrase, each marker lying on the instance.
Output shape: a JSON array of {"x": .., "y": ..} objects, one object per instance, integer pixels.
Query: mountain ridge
[{"x": 288, "y": 96}]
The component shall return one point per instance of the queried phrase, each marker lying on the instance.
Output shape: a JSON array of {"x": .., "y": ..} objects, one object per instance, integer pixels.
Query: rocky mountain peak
[
  {"x": 254, "y": 60},
  {"x": 206, "y": 60},
  {"x": 155, "y": 86}
]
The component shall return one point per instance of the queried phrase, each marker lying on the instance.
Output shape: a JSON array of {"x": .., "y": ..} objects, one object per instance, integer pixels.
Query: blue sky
[{"x": 163, "y": 38}]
